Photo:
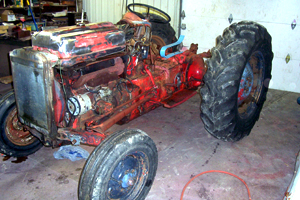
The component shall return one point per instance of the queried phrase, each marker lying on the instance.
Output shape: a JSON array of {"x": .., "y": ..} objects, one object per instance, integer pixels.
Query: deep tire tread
[{"x": 219, "y": 94}]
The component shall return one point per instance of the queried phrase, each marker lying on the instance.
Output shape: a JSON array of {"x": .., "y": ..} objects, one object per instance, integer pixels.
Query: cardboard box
[
  {"x": 4, "y": 27},
  {"x": 22, "y": 34},
  {"x": 8, "y": 16},
  {"x": 3, "y": 31},
  {"x": 19, "y": 3}
]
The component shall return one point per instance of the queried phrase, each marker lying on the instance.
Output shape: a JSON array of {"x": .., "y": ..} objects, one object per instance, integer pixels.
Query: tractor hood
[{"x": 79, "y": 43}]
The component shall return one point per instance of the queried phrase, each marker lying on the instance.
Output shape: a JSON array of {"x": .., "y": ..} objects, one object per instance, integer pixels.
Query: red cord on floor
[{"x": 212, "y": 171}]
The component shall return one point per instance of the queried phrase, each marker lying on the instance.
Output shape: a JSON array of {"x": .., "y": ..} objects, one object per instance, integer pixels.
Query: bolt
[{"x": 130, "y": 182}]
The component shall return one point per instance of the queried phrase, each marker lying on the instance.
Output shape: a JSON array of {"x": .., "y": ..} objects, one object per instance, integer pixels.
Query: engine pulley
[{"x": 80, "y": 104}]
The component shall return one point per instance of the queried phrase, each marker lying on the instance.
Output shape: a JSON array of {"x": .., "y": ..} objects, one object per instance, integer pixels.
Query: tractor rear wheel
[
  {"x": 236, "y": 82},
  {"x": 163, "y": 33}
]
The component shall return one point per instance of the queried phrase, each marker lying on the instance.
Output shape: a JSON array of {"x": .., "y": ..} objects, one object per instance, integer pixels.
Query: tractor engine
[
  {"x": 68, "y": 74},
  {"x": 78, "y": 81}
]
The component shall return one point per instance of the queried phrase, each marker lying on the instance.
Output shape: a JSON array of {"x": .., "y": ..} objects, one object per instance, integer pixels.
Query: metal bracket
[
  {"x": 230, "y": 18},
  {"x": 75, "y": 139},
  {"x": 293, "y": 25},
  {"x": 182, "y": 14},
  {"x": 287, "y": 58}
]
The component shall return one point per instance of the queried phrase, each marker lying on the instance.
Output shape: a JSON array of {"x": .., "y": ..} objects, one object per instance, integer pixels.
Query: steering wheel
[{"x": 157, "y": 16}]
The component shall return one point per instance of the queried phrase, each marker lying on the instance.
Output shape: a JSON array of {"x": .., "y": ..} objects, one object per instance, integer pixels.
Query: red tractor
[{"x": 74, "y": 83}]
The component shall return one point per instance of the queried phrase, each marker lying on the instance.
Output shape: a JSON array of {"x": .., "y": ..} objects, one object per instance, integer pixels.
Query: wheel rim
[
  {"x": 15, "y": 132},
  {"x": 251, "y": 84},
  {"x": 246, "y": 84},
  {"x": 129, "y": 177},
  {"x": 158, "y": 41}
]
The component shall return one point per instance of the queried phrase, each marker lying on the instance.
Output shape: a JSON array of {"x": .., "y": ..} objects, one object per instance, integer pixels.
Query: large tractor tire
[
  {"x": 236, "y": 82},
  {"x": 14, "y": 140},
  {"x": 163, "y": 34},
  {"x": 122, "y": 167}
]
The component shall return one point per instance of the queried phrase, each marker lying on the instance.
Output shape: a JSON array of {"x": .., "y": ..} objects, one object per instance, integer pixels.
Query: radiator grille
[{"x": 32, "y": 80}]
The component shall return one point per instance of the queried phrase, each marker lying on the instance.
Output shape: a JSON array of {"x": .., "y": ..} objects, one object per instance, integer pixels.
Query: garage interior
[{"x": 265, "y": 159}]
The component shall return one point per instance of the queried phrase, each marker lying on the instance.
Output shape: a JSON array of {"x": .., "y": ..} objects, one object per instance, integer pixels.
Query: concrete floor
[{"x": 265, "y": 159}]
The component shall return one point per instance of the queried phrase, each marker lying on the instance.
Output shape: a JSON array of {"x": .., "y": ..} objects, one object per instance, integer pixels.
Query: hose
[
  {"x": 122, "y": 82},
  {"x": 215, "y": 171}
]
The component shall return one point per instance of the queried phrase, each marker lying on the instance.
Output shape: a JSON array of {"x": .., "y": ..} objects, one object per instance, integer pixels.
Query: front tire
[
  {"x": 14, "y": 141},
  {"x": 236, "y": 82},
  {"x": 122, "y": 167}
]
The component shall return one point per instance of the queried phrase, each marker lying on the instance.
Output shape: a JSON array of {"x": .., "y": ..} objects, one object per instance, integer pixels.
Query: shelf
[
  {"x": 59, "y": 5},
  {"x": 26, "y": 7},
  {"x": 11, "y": 8}
]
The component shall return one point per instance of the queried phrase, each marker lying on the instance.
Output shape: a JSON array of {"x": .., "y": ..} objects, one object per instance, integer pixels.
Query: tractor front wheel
[
  {"x": 236, "y": 82},
  {"x": 122, "y": 167}
]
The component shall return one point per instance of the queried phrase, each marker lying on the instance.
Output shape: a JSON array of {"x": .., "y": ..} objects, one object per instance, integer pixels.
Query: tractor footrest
[{"x": 179, "y": 98}]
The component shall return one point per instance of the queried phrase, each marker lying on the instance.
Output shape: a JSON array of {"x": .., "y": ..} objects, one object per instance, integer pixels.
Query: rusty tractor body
[{"x": 92, "y": 78}]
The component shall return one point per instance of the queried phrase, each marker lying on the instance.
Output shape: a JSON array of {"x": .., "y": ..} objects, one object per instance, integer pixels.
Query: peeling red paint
[{"x": 110, "y": 84}]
